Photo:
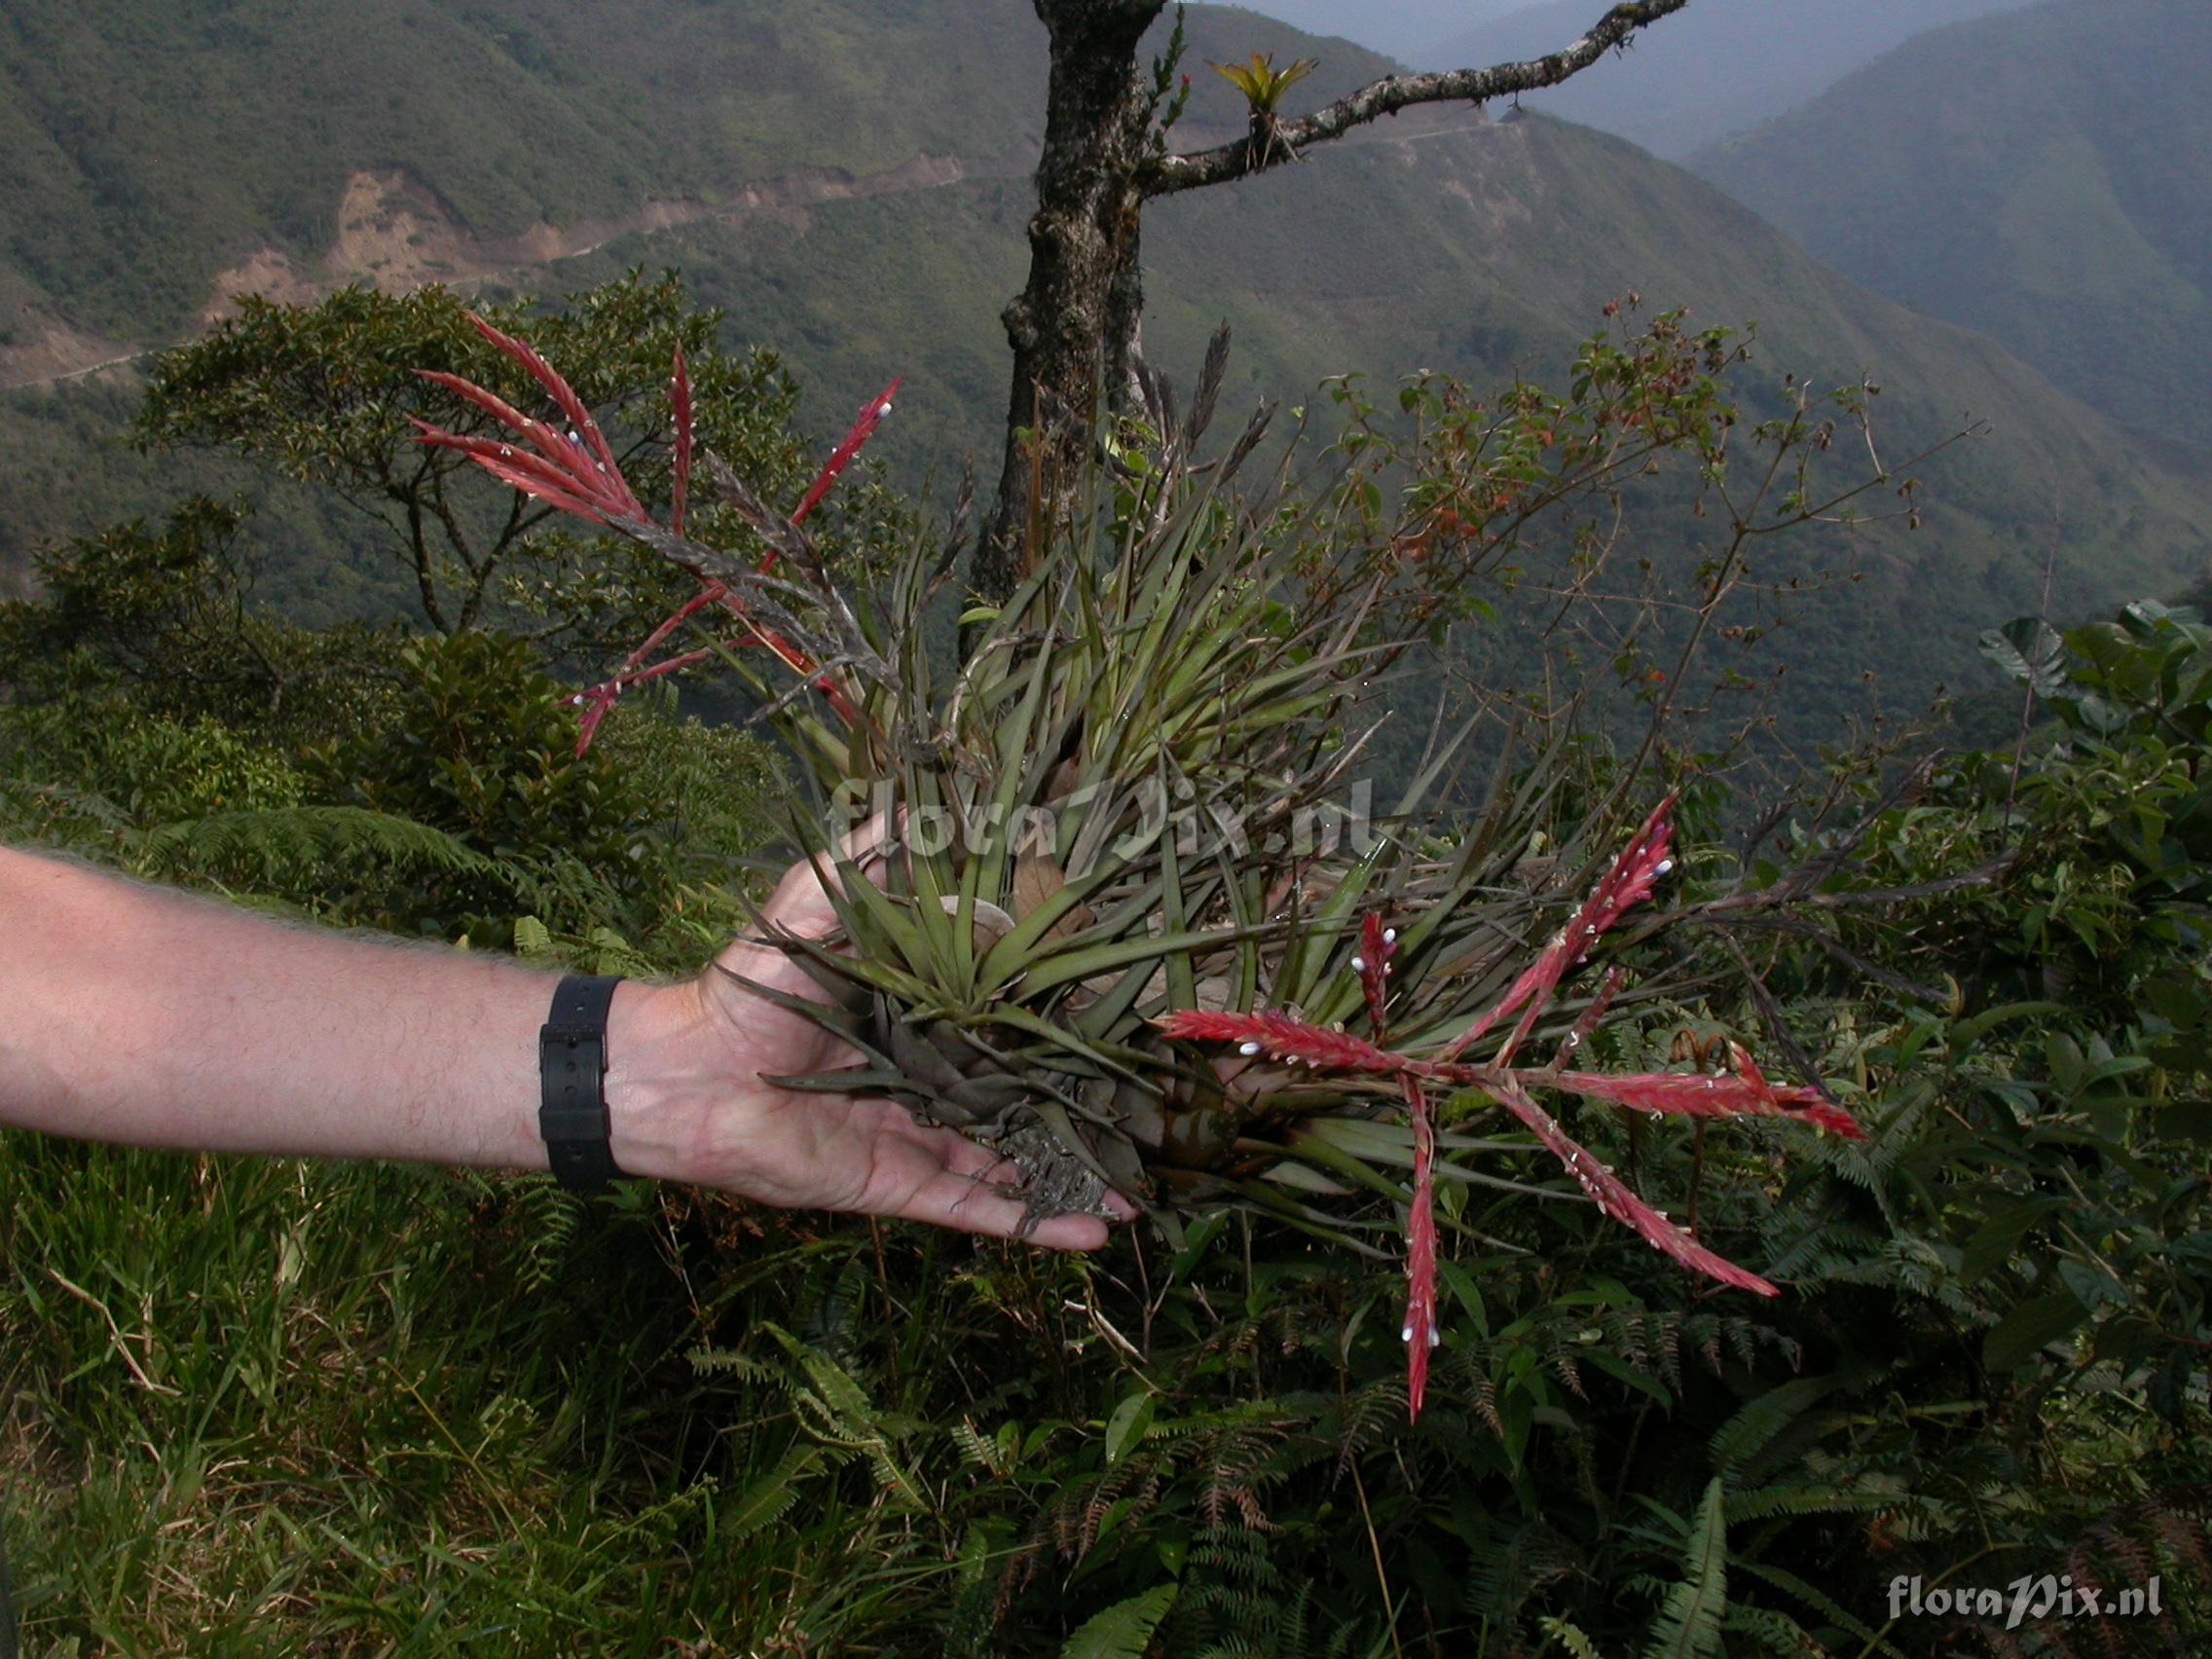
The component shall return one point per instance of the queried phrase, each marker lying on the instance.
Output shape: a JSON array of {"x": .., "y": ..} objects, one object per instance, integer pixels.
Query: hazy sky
[{"x": 1404, "y": 28}]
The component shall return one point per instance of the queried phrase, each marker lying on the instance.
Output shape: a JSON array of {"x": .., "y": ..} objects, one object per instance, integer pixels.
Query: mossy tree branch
[{"x": 1074, "y": 326}]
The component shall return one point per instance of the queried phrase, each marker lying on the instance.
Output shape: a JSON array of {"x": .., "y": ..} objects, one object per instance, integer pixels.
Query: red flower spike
[
  {"x": 679, "y": 407},
  {"x": 1628, "y": 880},
  {"x": 553, "y": 451},
  {"x": 501, "y": 411},
  {"x": 564, "y": 460},
  {"x": 1793, "y": 1100},
  {"x": 1747, "y": 1094},
  {"x": 576, "y": 473},
  {"x": 565, "y": 471},
  {"x": 1281, "y": 1037},
  {"x": 1377, "y": 946},
  {"x": 1805, "y": 1103},
  {"x": 1420, "y": 1331},
  {"x": 539, "y": 479},
  {"x": 711, "y": 593},
  {"x": 601, "y": 699},
  {"x": 863, "y": 428},
  {"x": 1614, "y": 1198},
  {"x": 545, "y": 479},
  {"x": 1586, "y": 1023},
  {"x": 591, "y": 443}
]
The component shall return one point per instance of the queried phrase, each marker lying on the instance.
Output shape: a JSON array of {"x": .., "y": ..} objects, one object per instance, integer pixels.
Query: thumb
[{"x": 802, "y": 905}]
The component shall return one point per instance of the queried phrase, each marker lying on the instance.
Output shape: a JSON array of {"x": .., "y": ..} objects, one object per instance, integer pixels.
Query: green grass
[{"x": 259, "y": 1407}]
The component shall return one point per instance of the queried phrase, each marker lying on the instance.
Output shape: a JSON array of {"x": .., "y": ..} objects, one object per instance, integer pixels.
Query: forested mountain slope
[
  {"x": 1711, "y": 69},
  {"x": 2041, "y": 176},
  {"x": 145, "y": 147},
  {"x": 872, "y": 223}
]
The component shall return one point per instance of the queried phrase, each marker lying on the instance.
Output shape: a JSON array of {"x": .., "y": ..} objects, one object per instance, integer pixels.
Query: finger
[
  {"x": 872, "y": 837},
  {"x": 801, "y": 904},
  {"x": 969, "y": 1205},
  {"x": 971, "y": 1162},
  {"x": 950, "y": 1181},
  {"x": 966, "y": 1157}
]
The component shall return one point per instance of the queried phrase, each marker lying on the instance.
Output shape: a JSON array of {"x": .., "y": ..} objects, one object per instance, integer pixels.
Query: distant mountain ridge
[
  {"x": 1482, "y": 250},
  {"x": 1713, "y": 68},
  {"x": 2042, "y": 176}
]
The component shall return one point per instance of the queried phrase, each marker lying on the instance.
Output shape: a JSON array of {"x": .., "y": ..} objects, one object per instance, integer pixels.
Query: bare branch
[{"x": 1167, "y": 174}]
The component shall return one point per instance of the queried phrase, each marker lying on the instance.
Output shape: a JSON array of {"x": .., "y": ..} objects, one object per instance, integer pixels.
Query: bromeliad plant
[
  {"x": 1625, "y": 882},
  {"x": 1263, "y": 85},
  {"x": 1139, "y": 890}
]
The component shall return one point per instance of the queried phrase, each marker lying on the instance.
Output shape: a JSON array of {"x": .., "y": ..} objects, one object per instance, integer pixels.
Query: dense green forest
[{"x": 1524, "y": 546}]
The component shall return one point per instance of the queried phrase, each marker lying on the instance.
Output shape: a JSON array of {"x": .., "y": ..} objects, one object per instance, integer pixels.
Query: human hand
[{"x": 688, "y": 1099}]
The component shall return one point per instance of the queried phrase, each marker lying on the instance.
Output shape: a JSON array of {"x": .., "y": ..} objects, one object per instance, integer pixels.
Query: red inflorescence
[
  {"x": 576, "y": 473},
  {"x": 1282, "y": 1037},
  {"x": 1628, "y": 879},
  {"x": 1627, "y": 882}
]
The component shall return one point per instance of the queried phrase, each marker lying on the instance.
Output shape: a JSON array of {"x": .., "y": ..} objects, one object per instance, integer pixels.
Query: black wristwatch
[{"x": 571, "y": 1075}]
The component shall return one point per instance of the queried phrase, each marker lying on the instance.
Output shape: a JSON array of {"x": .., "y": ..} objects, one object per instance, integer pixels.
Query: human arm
[{"x": 133, "y": 1014}]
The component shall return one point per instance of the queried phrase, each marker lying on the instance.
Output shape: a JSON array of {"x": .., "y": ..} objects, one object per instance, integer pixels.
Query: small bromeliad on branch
[
  {"x": 1263, "y": 85},
  {"x": 1128, "y": 842}
]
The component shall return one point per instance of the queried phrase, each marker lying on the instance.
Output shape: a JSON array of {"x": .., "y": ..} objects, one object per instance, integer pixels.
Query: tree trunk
[{"x": 1074, "y": 326}]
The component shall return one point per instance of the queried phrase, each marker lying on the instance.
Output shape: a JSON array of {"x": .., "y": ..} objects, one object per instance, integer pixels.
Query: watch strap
[{"x": 572, "y": 1073}]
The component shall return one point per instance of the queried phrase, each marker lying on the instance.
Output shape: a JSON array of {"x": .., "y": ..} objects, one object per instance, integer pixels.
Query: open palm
[{"x": 810, "y": 1148}]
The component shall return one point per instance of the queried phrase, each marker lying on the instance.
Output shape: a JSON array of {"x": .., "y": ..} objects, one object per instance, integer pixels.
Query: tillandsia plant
[
  {"x": 1263, "y": 85},
  {"x": 1140, "y": 887}
]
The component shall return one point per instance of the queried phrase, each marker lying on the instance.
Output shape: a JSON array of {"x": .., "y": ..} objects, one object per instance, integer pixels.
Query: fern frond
[
  {"x": 1777, "y": 1635},
  {"x": 1769, "y": 1501},
  {"x": 1125, "y": 1630},
  {"x": 547, "y": 1216},
  {"x": 272, "y": 844},
  {"x": 1821, "y": 1602},
  {"x": 1688, "y": 1626},
  {"x": 743, "y": 1367},
  {"x": 765, "y": 1501},
  {"x": 1369, "y": 1415},
  {"x": 1753, "y": 1429},
  {"x": 1568, "y": 1636}
]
